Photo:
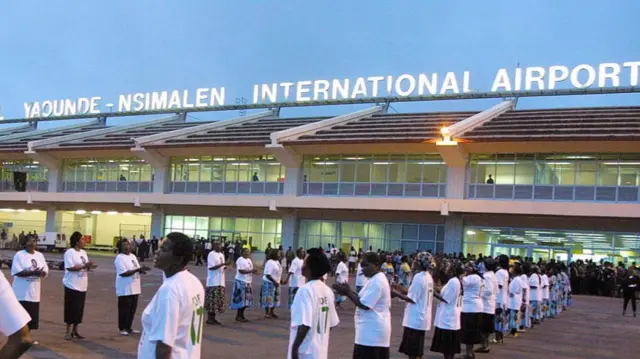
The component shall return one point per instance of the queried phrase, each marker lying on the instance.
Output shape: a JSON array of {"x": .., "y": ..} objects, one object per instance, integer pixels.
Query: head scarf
[{"x": 426, "y": 260}]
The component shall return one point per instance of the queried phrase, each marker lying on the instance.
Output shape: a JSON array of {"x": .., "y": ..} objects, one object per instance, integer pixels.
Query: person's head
[
  {"x": 216, "y": 246},
  {"x": 423, "y": 261},
  {"x": 404, "y": 259},
  {"x": 269, "y": 245},
  {"x": 272, "y": 254},
  {"x": 125, "y": 247},
  {"x": 370, "y": 265},
  {"x": 29, "y": 243},
  {"x": 76, "y": 240},
  {"x": 175, "y": 253},
  {"x": 300, "y": 253},
  {"x": 516, "y": 269},
  {"x": 315, "y": 265},
  {"x": 490, "y": 264},
  {"x": 503, "y": 261},
  {"x": 246, "y": 252},
  {"x": 342, "y": 257}
]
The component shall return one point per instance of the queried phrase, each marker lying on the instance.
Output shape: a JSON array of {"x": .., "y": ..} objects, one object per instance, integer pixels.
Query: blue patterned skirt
[
  {"x": 242, "y": 295},
  {"x": 269, "y": 295}
]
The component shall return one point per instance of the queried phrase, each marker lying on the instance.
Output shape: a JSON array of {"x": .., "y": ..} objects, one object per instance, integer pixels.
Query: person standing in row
[
  {"x": 216, "y": 293},
  {"x": 515, "y": 299},
  {"x": 342, "y": 276},
  {"x": 296, "y": 278},
  {"x": 28, "y": 268},
  {"x": 76, "y": 283},
  {"x": 489, "y": 295},
  {"x": 14, "y": 321},
  {"x": 446, "y": 338},
  {"x": 242, "y": 296},
  {"x": 502, "y": 314},
  {"x": 353, "y": 258},
  {"x": 535, "y": 294},
  {"x": 417, "y": 315},
  {"x": 630, "y": 285},
  {"x": 525, "y": 309},
  {"x": 361, "y": 279},
  {"x": 373, "y": 315},
  {"x": 270, "y": 290},
  {"x": 545, "y": 294},
  {"x": 173, "y": 321},
  {"x": 313, "y": 312},
  {"x": 128, "y": 287},
  {"x": 470, "y": 320}
]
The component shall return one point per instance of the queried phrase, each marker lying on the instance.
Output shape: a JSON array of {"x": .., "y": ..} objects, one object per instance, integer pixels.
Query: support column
[
  {"x": 293, "y": 181},
  {"x": 456, "y": 181},
  {"x": 453, "y": 233},
  {"x": 52, "y": 223},
  {"x": 157, "y": 222},
  {"x": 161, "y": 168},
  {"x": 54, "y": 169},
  {"x": 161, "y": 177},
  {"x": 290, "y": 227}
]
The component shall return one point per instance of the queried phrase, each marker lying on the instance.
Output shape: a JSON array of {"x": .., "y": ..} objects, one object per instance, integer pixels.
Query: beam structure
[
  {"x": 18, "y": 136},
  {"x": 468, "y": 124}
]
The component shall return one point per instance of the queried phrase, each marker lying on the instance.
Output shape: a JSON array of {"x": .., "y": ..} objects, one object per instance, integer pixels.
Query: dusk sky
[{"x": 61, "y": 49}]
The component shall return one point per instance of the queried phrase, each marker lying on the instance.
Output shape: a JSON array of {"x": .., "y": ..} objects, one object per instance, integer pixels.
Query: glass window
[
  {"x": 505, "y": 169},
  {"x": 409, "y": 231},
  {"x": 363, "y": 170},
  {"x": 231, "y": 170},
  {"x": 427, "y": 233},
  {"x": 629, "y": 170},
  {"x": 317, "y": 168},
  {"x": 481, "y": 167},
  {"x": 564, "y": 172},
  {"x": 393, "y": 231},
  {"x": 545, "y": 174},
  {"x": 585, "y": 172},
  {"x": 331, "y": 169},
  {"x": 525, "y": 169},
  {"x": 397, "y": 168},
  {"x": 380, "y": 168},
  {"x": 607, "y": 170},
  {"x": 414, "y": 168},
  {"x": 348, "y": 171}
]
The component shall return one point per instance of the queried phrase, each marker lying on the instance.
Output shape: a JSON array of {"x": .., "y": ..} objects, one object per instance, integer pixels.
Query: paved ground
[{"x": 593, "y": 328}]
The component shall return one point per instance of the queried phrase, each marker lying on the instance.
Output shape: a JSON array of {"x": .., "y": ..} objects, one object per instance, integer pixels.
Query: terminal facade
[{"x": 556, "y": 183}]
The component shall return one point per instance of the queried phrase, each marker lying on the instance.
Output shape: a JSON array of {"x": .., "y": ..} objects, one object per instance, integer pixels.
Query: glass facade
[
  {"x": 211, "y": 174},
  {"x": 377, "y": 235},
  {"x": 107, "y": 175},
  {"x": 563, "y": 177},
  {"x": 36, "y": 175},
  {"x": 412, "y": 175},
  {"x": 564, "y": 245},
  {"x": 258, "y": 232}
]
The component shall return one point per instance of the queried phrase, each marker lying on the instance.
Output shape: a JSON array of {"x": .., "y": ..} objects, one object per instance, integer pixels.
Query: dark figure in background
[
  {"x": 630, "y": 285},
  {"x": 237, "y": 250},
  {"x": 255, "y": 178},
  {"x": 143, "y": 250},
  {"x": 199, "y": 251},
  {"x": 490, "y": 180},
  {"x": 289, "y": 256}
]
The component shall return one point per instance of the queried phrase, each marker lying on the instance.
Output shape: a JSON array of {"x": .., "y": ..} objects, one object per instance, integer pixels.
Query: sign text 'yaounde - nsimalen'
[{"x": 405, "y": 85}]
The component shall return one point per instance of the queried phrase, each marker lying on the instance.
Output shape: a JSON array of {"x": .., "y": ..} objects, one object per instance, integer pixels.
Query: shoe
[
  {"x": 77, "y": 336},
  {"x": 124, "y": 333},
  {"x": 483, "y": 350},
  {"x": 274, "y": 316},
  {"x": 133, "y": 331},
  {"x": 67, "y": 337},
  {"x": 36, "y": 342},
  {"x": 241, "y": 319}
]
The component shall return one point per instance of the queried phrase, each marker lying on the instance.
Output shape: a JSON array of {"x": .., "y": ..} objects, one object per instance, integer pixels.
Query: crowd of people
[{"x": 479, "y": 300}]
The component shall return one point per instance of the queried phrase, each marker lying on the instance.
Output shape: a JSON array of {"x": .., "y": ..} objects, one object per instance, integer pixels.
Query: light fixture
[
  {"x": 35, "y": 210},
  {"x": 274, "y": 163},
  {"x": 471, "y": 233},
  {"x": 81, "y": 211},
  {"x": 324, "y": 163},
  {"x": 382, "y": 163},
  {"x": 146, "y": 214},
  {"x": 354, "y": 158},
  {"x": 7, "y": 210},
  {"x": 112, "y": 213},
  {"x": 126, "y": 213},
  {"x": 621, "y": 163},
  {"x": 96, "y": 212},
  {"x": 22, "y": 210},
  {"x": 240, "y": 164}
]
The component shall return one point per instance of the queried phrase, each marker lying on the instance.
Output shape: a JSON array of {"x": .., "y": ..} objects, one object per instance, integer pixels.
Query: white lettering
[
  {"x": 159, "y": 100},
  {"x": 321, "y": 87},
  {"x": 375, "y": 83},
  {"x": 517, "y": 85},
  {"x": 575, "y": 73},
  {"x": 35, "y": 110},
  {"x": 360, "y": 88},
  {"x": 255, "y": 93},
  {"x": 200, "y": 97},
  {"x": 95, "y": 104},
  {"x": 58, "y": 107},
  {"x": 633, "y": 67},
  {"x": 399, "y": 85},
  {"x": 185, "y": 99},
  {"x": 47, "y": 108},
  {"x": 609, "y": 71},
  {"x": 27, "y": 109},
  {"x": 450, "y": 83},
  {"x": 501, "y": 81},
  {"x": 343, "y": 88},
  {"x": 217, "y": 97},
  {"x": 534, "y": 74},
  {"x": 138, "y": 103},
  {"x": 124, "y": 103},
  {"x": 287, "y": 89},
  {"x": 466, "y": 82},
  {"x": 269, "y": 94},
  {"x": 557, "y": 74},
  {"x": 174, "y": 100},
  {"x": 302, "y": 88},
  {"x": 83, "y": 105},
  {"x": 431, "y": 85},
  {"x": 69, "y": 107}
]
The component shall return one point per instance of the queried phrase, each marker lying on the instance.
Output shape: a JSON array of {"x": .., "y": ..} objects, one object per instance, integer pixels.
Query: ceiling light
[
  {"x": 112, "y": 213},
  {"x": 35, "y": 210},
  {"x": 96, "y": 212},
  {"x": 21, "y": 210},
  {"x": 81, "y": 211}
]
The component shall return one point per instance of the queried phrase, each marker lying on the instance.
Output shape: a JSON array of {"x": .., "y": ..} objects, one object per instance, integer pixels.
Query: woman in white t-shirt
[
  {"x": 76, "y": 282},
  {"x": 128, "y": 287},
  {"x": 470, "y": 320},
  {"x": 172, "y": 323},
  {"x": 515, "y": 299},
  {"x": 295, "y": 277},
  {"x": 28, "y": 268},
  {"x": 417, "y": 314},
  {"x": 242, "y": 296},
  {"x": 313, "y": 313},
  {"x": 342, "y": 276},
  {"x": 353, "y": 256},
  {"x": 446, "y": 338},
  {"x": 489, "y": 295},
  {"x": 535, "y": 292},
  {"x": 13, "y": 322},
  {"x": 545, "y": 294},
  {"x": 361, "y": 279},
  {"x": 271, "y": 280},
  {"x": 502, "y": 299},
  {"x": 216, "y": 287},
  {"x": 525, "y": 308},
  {"x": 373, "y": 316}
]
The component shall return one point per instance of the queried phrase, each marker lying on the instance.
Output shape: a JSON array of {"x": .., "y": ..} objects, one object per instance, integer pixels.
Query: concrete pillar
[
  {"x": 293, "y": 181},
  {"x": 290, "y": 226},
  {"x": 453, "y": 233},
  {"x": 54, "y": 179},
  {"x": 456, "y": 181},
  {"x": 53, "y": 221},
  {"x": 157, "y": 223},
  {"x": 161, "y": 176}
]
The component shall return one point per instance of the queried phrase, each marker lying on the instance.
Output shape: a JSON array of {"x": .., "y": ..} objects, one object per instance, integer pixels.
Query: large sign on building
[{"x": 405, "y": 85}]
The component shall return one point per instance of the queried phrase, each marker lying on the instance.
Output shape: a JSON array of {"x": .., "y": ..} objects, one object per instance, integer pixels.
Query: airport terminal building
[{"x": 555, "y": 183}]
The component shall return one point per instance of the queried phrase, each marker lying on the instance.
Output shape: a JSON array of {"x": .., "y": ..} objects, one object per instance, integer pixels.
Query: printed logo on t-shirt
[
  {"x": 324, "y": 314},
  {"x": 197, "y": 320},
  {"x": 34, "y": 264}
]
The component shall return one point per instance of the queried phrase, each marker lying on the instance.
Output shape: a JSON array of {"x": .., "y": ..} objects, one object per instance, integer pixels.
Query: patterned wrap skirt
[
  {"x": 242, "y": 295},
  {"x": 214, "y": 301},
  {"x": 535, "y": 310},
  {"x": 269, "y": 295},
  {"x": 292, "y": 295},
  {"x": 514, "y": 316},
  {"x": 501, "y": 319},
  {"x": 525, "y": 316}
]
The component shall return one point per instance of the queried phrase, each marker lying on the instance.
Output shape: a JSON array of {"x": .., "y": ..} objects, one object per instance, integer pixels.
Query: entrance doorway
[
  {"x": 355, "y": 242},
  {"x": 535, "y": 252}
]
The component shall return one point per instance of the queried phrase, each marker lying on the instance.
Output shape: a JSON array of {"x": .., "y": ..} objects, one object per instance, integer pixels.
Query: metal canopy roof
[{"x": 18, "y": 142}]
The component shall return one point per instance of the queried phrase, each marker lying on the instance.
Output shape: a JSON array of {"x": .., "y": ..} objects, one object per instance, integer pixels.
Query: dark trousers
[
  {"x": 127, "y": 306},
  {"x": 73, "y": 306},
  {"x": 33, "y": 308},
  {"x": 628, "y": 298}
]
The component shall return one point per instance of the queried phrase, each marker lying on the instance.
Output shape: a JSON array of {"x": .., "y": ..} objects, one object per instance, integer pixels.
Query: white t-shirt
[
  {"x": 545, "y": 287},
  {"x": 473, "y": 286},
  {"x": 127, "y": 285},
  {"x": 342, "y": 273},
  {"x": 215, "y": 278},
  {"x": 273, "y": 268},
  {"x": 27, "y": 289},
  {"x": 448, "y": 314},
  {"x": 13, "y": 316},
  {"x": 361, "y": 279},
  {"x": 244, "y": 264},
  {"x": 503, "y": 293},
  {"x": 525, "y": 289},
  {"x": 489, "y": 293},
  {"x": 535, "y": 281},
  {"x": 175, "y": 316},
  {"x": 352, "y": 256},
  {"x": 77, "y": 280},
  {"x": 314, "y": 307},
  {"x": 297, "y": 279},
  {"x": 418, "y": 316},
  {"x": 373, "y": 326},
  {"x": 515, "y": 294}
]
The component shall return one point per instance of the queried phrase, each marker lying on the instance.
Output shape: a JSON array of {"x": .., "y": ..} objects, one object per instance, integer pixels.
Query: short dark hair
[
  {"x": 317, "y": 263},
  {"x": 75, "y": 238},
  {"x": 373, "y": 258},
  {"x": 182, "y": 246},
  {"x": 272, "y": 254}
]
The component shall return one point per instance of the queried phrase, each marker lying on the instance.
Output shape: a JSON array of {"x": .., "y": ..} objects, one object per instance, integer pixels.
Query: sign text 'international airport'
[{"x": 405, "y": 85}]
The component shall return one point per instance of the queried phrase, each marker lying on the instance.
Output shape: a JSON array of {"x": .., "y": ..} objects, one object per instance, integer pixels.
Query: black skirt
[
  {"x": 412, "y": 342},
  {"x": 487, "y": 323},
  {"x": 470, "y": 333},
  {"x": 33, "y": 308},
  {"x": 365, "y": 352},
  {"x": 446, "y": 341},
  {"x": 73, "y": 306}
]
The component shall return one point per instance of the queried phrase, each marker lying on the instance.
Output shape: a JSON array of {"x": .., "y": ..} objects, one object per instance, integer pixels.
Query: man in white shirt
[
  {"x": 128, "y": 287},
  {"x": 361, "y": 279},
  {"x": 342, "y": 276},
  {"x": 525, "y": 309},
  {"x": 13, "y": 323},
  {"x": 173, "y": 321},
  {"x": 295, "y": 277},
  {"x": 373, "y": 316},
  {"x": 502, "y": 314},
  {"x": 313, "y": 313},
  {"x": 216, "y": 288}
]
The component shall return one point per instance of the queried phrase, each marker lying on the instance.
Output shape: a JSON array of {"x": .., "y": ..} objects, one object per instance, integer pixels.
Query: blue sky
[{"x": 70, "y": 48}]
